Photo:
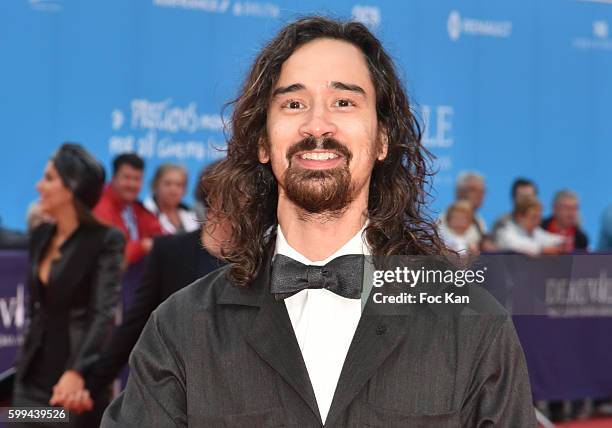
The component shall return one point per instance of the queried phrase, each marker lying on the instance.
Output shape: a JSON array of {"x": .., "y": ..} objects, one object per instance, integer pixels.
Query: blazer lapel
[
  {"x": 271, "y": 334},
  {"x": 375, "y": 338},
  {"x": 38, "y": 251},
  {"x": 75, "y": 261},
  {"x": 35, "y": 258},
  {"x": 272, "y": 337}
]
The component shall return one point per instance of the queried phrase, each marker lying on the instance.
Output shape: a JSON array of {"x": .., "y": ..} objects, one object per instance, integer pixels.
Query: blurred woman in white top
[
  {"x": 523, "y": 233},
  {"x": 455, "y": 227},
  {"x": 168, "y": 189}
]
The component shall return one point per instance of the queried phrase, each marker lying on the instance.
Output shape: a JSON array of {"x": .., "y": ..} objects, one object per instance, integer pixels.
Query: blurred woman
[
  {"x": 74, "y": 287},
  {"x": 168, "y": 188},
  {"x": 523, "y": 233},
  {"x": 454, "y": 230}
]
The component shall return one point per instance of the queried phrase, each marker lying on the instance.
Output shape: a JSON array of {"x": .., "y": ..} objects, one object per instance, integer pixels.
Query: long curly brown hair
[{"x": 246, "y": 192}]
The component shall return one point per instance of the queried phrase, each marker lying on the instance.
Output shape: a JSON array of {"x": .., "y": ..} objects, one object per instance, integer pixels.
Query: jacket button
[
  {"x": 37, "y": 305},
  {"x": 381, "y": 329}
]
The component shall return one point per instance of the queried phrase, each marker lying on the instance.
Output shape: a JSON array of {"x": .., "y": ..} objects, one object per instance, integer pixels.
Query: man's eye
[
  {"x": 344, "y": 103},
  {"x": 293, "y": 105}
]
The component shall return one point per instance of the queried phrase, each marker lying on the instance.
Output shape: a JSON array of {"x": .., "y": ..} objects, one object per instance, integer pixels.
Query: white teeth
[{"x": 319, "y": 156}]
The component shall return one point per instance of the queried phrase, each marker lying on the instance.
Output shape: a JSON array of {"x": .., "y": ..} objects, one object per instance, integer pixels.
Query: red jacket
[{"x": 108, "y": 211}]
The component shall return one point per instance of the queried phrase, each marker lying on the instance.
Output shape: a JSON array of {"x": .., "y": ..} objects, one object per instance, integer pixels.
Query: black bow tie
[{"x": 343, "y": 276}]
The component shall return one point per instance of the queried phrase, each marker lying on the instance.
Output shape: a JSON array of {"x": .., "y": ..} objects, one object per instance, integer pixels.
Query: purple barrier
[
  {"x": 568, "y": 358},
  {"x": 562, "y": 309},
  {"x": 13, "y": 291}
]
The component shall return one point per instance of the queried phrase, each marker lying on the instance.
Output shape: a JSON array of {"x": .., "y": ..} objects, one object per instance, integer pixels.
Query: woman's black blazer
[{"x": 80, "y": 297}]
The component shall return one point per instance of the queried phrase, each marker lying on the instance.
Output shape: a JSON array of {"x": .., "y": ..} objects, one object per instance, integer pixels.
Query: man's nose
[{"x": 318, "y": 124}]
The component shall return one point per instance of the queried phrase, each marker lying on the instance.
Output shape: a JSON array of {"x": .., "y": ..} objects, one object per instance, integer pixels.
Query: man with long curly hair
[{"x": 324, "y": 165}]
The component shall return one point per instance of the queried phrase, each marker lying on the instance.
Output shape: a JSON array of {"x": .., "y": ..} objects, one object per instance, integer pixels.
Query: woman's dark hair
[
  {"x": 398, "y": 219},
  {"x": 83, "y": 175}
]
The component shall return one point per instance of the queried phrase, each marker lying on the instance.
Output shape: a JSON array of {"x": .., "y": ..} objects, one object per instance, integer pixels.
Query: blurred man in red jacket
[{"x": 119, "y": 207}]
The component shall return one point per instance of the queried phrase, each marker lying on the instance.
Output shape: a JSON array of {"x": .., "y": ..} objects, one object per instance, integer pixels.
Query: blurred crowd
[
  {"x": 524, "y": 230},
  {"x": 162, "y": 213}
]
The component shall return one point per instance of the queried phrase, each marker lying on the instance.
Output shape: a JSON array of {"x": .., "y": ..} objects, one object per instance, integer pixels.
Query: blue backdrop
[{"x": 505, "y": 87}]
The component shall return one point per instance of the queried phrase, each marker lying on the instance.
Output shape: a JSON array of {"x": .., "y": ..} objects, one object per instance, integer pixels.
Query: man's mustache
[{"x": 324, "y": 143}]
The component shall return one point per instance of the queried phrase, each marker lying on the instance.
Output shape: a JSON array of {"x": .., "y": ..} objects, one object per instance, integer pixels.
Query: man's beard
[{"x": 319, "y": 191}]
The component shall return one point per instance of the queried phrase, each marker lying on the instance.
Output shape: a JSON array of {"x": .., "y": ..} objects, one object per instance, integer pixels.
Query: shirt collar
[{"x": 356, "y": 245}]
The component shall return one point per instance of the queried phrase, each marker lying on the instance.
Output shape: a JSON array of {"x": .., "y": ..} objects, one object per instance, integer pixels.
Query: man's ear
[
  {"x": 262, "y": 151},
  {"x": 383, "y": 146}
]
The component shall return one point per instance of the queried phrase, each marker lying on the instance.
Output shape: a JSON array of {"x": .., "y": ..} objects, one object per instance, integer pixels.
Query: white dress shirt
[{"x": 324, "y": 323}]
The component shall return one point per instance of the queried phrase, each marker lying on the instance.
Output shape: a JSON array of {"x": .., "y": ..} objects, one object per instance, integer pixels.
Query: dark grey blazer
[{"x": 214, "y": 355}]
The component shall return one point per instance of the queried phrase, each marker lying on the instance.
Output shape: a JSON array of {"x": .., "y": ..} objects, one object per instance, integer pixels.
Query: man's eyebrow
[
  {"x": 286, "y": 89},
  {"x": 348, "y": 87}
]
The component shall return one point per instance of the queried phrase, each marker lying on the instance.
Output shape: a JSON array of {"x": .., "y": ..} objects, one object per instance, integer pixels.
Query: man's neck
[{"x": 317, "y": 237}]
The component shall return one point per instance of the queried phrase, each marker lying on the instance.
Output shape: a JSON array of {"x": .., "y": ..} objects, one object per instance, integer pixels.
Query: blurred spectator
[
  {"x": 74, "y": 286},
  {"x": 12, "y": 240},
  {"x": 523, "y": 234},
  {"x": 605, "y": 236},
  {"x": 216, "y": 231},
  {"x": 168, "y": 189},
  {"x": 470, "y": 187},
  {"x": 565, "y": 221},
  {"x": 459, "y": 217},
  {"x": 119, "y": 206},
  {"x": 521, "y": 188}
]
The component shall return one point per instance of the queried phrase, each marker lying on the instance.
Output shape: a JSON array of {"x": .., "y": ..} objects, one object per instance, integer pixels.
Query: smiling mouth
[
  {"x": 318, "y": 156},
  {"x": 318, "y": 159}
]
